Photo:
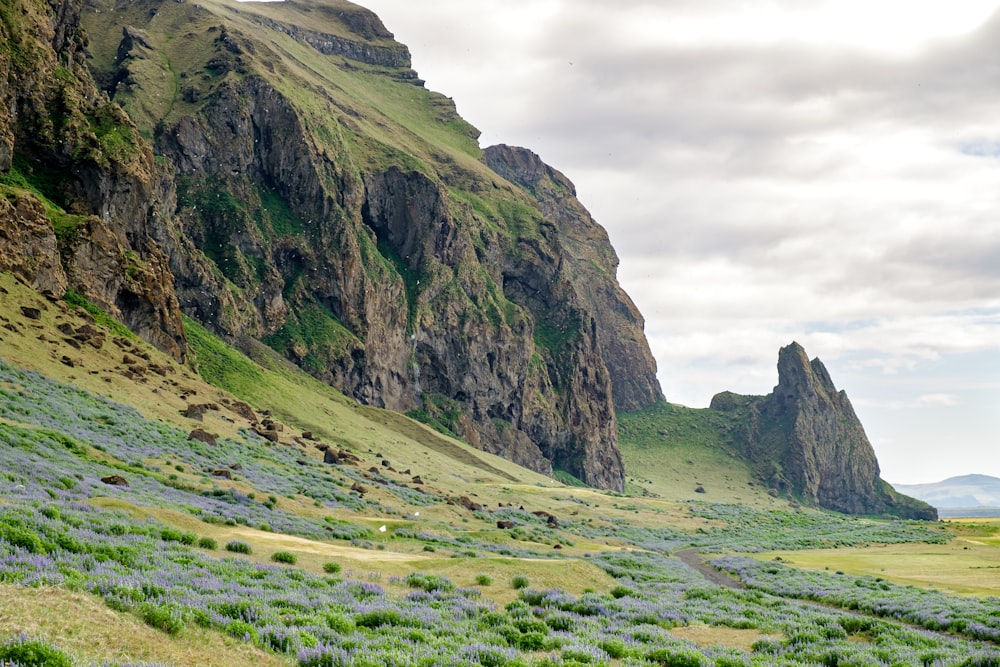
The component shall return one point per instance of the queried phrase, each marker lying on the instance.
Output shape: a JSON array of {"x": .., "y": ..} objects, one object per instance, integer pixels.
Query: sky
[{"x": 823, "y": 171}]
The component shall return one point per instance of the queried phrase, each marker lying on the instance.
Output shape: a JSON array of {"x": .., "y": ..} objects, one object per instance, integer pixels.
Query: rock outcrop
[
  {"x": 369, "y": 242},
  {"x": 591, "y": 264},
  {"x": 81, "y": 191},
  {"x": 805, "y": 440}
]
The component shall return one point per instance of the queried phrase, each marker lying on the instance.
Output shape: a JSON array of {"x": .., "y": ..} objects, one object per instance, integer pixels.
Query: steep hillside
[
  {"x": 308, "y": 192},
  {"x": 82, "y": 204}
]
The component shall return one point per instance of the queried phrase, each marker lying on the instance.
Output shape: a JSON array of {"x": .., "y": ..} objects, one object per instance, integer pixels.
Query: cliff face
[
  {"x": 805, "y": 439},
  {"x": 278, "y": 172},
  {"x": 590, "y": 264},
  {"x": 81, "y": 199}
]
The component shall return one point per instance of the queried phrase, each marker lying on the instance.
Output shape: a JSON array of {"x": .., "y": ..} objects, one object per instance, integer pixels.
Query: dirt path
[{"x": 693, "y": 559}]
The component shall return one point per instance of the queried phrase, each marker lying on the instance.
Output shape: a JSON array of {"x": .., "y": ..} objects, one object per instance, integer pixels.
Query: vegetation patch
[{"x": 314, "y": 336}]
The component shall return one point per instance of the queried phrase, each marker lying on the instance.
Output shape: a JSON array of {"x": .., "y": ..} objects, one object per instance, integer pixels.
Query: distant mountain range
[{"x": 967, "y": 495}]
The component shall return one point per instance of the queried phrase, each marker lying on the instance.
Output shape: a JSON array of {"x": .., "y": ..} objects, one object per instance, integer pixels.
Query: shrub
[
  {"x": 168, "y": 618},
  {"x": 33, "y": 653},
  {"x": 174, "y": 535},
  {"x": 208, "y": 543},
  {"x": 22, "y": 537},
  {"x": 331, "y": 568},
  {"x": 243, "y": 630},
  {"x": 675, "y": 657},
  {"x": 519, "y": 581},
  {"x": 619, "y": 592},
  {"x": 376, "y": 618},
  {"x": 286, "y": 557},
  {"x": 339, "y": 623},
  {"x": 239, "y": 547},
  {"x": 484, "y": 579},
  {"x": 615, "y": 648},
  {"x": 429, "y": 582}
]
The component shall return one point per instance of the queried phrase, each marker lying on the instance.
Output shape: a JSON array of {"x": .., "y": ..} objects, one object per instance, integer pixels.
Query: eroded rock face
[
  {"x": 95, "y": 231},
  {"x": 805, "y": 439},
  {"x": 591, "y": 266},
  {"x": 371, "y": 272}
]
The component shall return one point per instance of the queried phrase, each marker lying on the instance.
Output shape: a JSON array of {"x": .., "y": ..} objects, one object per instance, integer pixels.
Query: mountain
[
  {"x": 805, "y": 439},
  {"x": 964, "y": 492},
  {"x": 280, "y": 174}
]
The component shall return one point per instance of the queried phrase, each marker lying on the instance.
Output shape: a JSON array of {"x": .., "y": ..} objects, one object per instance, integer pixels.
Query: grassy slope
[
  {"x": 671, "y": 450},
  {"x": 667, "y": 450}
]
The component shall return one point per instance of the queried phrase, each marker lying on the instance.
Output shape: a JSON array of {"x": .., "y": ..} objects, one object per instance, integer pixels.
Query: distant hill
[{"x": 973, "y": 495}]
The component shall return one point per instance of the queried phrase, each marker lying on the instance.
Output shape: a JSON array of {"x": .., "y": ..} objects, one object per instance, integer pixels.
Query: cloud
[
  {"x": 774, "y": 170},
  {"x": 917, "y": 402}
]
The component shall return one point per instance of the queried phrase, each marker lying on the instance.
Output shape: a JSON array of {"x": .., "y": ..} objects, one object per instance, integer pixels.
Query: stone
[
  {"x": 115, "y": 480},
  {"x": 203, "y": 436}
]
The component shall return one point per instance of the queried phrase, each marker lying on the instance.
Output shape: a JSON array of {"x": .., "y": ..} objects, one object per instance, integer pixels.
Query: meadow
[{"x": 244, "y": 550}]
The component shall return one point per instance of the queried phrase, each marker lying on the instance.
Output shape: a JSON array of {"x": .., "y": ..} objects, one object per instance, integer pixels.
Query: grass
[
  {"x": 89, "y": 630},
  {"x": 671, "y": 450},
  {"x": 965, "y": 566}
]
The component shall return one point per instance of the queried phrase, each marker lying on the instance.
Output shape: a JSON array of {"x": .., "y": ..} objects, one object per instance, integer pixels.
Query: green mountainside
[
  {"x": 278, "y": 174},
  {"x": 331, "y": 207}
]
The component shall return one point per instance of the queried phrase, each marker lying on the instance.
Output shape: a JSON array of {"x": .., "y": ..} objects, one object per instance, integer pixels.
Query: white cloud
[{"x": 818, "y": 170}]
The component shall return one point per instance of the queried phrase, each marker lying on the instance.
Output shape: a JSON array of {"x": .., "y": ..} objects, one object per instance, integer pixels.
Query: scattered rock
[
  {"x": 700, "y": 489},
  {"x": 307, "y": 435},
  {"x": 198, "y": 410},
  {"x": 347, "y": 456},
  {"x": 386, "y": 464},
  {"x": 203, "y": 436},
  {"x": 417, "y": 480},
  {"x": 470, "y": 504},
  {"x": 358, "y": 489},
  {"x": 330, "y": 456},
  {"x": 222, "y": 473},
  {"x": 505, "y": 525},
  {"x": 243, "y": 410},
  {"x": 115, "y": 480},
  {"x": 66, "y": 361},
  {"x": 271, "y": 425},
  {"x": 271, "y": 436},
  {"x": 550, "y": 519},
  {"x": 31, "y": 313}
]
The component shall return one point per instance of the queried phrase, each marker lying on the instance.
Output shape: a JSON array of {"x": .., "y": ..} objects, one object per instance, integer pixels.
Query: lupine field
[{"x": 57, "y": 443}]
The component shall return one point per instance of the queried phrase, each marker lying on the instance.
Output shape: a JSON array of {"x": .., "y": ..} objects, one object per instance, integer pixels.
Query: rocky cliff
[
  {"x": 805, "y": 440},
  {"x": 81, "y": 200},
  {"x": 279, "y": 173}
]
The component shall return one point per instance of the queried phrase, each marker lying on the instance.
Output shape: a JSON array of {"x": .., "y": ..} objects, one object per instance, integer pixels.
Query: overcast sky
[{"x": 771, "y": 170}]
